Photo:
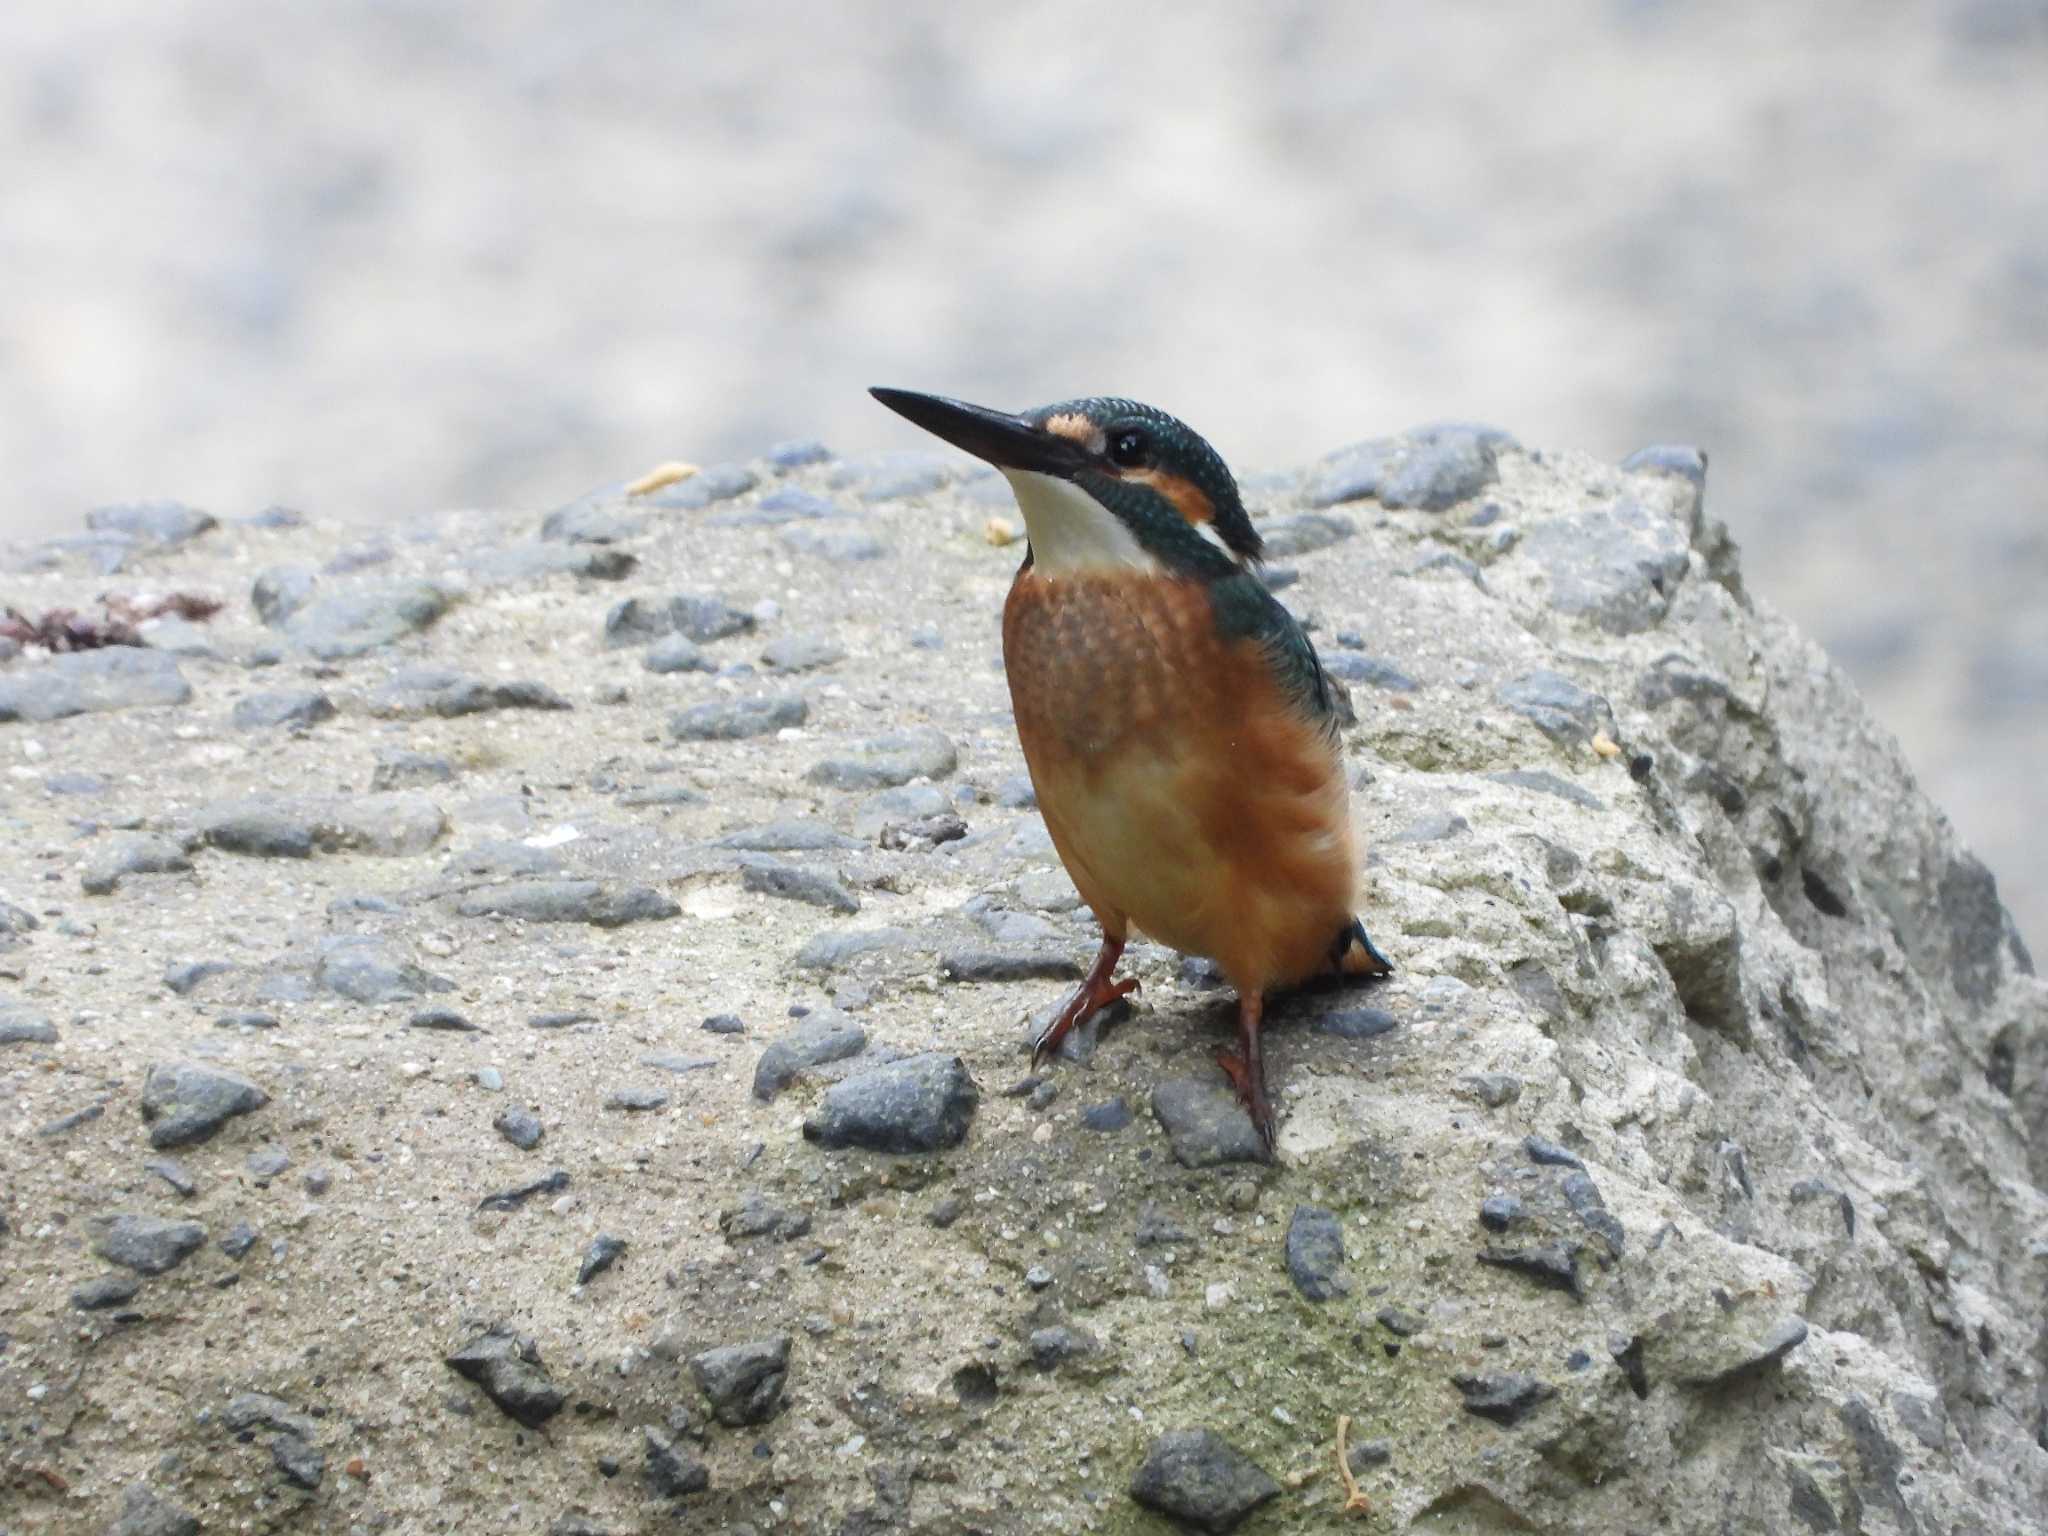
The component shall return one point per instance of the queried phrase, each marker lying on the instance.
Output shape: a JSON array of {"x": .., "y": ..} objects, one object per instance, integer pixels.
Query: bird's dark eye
[{"x": 1128, "y": 449}]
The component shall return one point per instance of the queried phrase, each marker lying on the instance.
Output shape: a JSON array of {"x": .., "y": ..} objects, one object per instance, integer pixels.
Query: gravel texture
[{"x": 1685, "y": 1173}]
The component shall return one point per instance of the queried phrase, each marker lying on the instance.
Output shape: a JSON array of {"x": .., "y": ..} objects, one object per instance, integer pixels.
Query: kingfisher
[{"x": 1178, "y": 727}]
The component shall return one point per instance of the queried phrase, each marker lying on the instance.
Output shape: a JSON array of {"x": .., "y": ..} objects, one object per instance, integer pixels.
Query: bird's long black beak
[{"x": 1008, "y": 442}]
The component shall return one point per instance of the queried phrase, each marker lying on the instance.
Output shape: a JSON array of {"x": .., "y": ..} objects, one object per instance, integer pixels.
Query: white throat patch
[{"x": 1072, "y": 531}]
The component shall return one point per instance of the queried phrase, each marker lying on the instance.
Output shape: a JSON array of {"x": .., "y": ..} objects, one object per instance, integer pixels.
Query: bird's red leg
[
  {"x": 1096, "y": 992},
  {"x": 1246, "y": 1066}
]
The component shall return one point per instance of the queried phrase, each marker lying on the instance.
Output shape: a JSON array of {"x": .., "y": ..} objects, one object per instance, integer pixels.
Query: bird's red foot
[
  {"x": 1094, "y": 994},
  {"x": 1250, "y": 1083}
]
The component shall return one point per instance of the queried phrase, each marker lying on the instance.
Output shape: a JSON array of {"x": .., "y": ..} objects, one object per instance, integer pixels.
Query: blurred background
[{"x": 376, "y": 256}]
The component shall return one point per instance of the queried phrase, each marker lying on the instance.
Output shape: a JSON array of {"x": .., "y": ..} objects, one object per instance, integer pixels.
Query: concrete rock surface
[{"x": 1686, "y": 1174}]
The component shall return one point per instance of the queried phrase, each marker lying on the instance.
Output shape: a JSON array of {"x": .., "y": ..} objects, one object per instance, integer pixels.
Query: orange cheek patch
[{"x": 1186, "y": 496}]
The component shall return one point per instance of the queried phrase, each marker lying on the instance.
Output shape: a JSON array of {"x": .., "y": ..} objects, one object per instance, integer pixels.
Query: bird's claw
[{"x": 1082, "y": 1006}]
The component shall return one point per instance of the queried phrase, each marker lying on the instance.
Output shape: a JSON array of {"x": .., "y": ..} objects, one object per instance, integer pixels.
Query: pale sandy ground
[{"x": 373, "y": 258}]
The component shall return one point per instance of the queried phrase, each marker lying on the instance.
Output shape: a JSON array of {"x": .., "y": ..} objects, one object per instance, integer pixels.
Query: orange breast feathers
[{"x": 1185, "y": 792}]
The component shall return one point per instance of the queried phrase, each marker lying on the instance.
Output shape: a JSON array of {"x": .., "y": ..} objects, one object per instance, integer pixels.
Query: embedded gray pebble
[
  {"x": 1205, "y": 1123},
  {"x": 603, "y": 1252},
  {"x": 737, "y": 719},
  {"x": 757, "y": 1216},
  {"x": 510, "y": 1371},
  {"x": 1315, "y": 1253},
  {"x": 1558, "y": 707},
  {"x": 24, "y": 1026},
  {"x": 636, "y": 1100},
  {"x": 356, "y": 623},
  {"x": 188, "y": 976},
  {"x": 1201, "y": 1478},
  {"x": 367, "y": 969},
  {"x": 103, "y": 1291},
  {"x": 297, "y": 708},
  {"x": 788, "y": 837},
  {"x": 792, "y": 882},
  {"x": 824, "y": 1036},
  {"x": 672, "y": 1470},
  {"x": 1000, "y": 965},
  {"x": 1106, "y": 1119},
  {"x": 149, "y": 1245},
  {"x": 267, "y": 1162},
  {"x": 1504, "y": 1397},
  {"x": 744, "y": 1382},
  {"x": 186, "y": 1102},
  {"x": 446, "y": 1019},
  {"x": 447, "y": 694},
  {"x": 1059, "y": 1344},
  {"x": 143, "y": 854},
  {"x": 174, "y": 1174},
  {"x": 1493, "y": 1089},
  {"x": 677, "y": 653},
  {"x": 831, "y": 950},
  {"x": 1549, "y": 1153},
  {"x": 90, "y": 682},
  {"x": 145, "y": 1513},
  {"x": 302, "y": 1464},
  {"x": 1354, "y": 1023},
  {"x": 550, "y": 1183},
  {"x": 400, "y": 769},
  {"x": 920, "y": 1104},
  {"x": 724, "y": 1024},
  {"x": 1550, "y": 1264},
  {"x": 1499, "y": 1212},
  {"x": 801, "y": 653},
  {"x": 240, "y": 1238},
  {"x": 1038, "y": 1277},
  {"x": 571, "y": 901},
  {"x": 883, "y": 762}
]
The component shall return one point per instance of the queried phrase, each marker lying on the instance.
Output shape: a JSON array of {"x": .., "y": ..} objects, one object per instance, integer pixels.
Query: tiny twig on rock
[{"x": 1355, "y": 1501}]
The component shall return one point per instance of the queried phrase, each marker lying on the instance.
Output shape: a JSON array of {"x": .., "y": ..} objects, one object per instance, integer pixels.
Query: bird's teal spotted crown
[{"x": 1154, "y": 472}]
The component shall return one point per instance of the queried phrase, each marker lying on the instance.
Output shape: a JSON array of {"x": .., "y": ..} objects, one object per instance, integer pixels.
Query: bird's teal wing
[{"x": 1246, "y": 610}]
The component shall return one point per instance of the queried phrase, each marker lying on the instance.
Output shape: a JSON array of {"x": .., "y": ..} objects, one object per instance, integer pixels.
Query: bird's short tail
[{"x": 1354, "y": 953}]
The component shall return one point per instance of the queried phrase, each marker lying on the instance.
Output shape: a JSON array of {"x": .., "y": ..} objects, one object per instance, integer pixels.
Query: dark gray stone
[
  {"x": 744, "y": 1382},
  {"x": 1197, "y": 1476},
  {"x": 662, "y": 794},
  {"x": 637, "y": 620},
  {"x": 1680, "y": 459},
  {"x": 1059, "y": 1345},
  {"x": 1499, "y": 1212},
  {"x": 1547, "y": 783},
  {"x": 718, "y": 482},
  {"x": 1205, "y": 1123},
  {"x": 154, "y": 522},
  {"x": 295, "y": 707},
  {"x": 788, "y": 837},
  {"x": 520, "y": 1127},
  {"x": 999, "y": 965},
  {"x": 1559, "y": 707},
  {"x": 185, "y": 977},
  {"x": 636, "y": 1100},
  {"x": 570, "y": 901},
  {"x": 397, "y": 825},
  {"x": 757, "y": 1216},
  {"x": 738, "y": 719},
  {"x": 356, "y": 623},
  {"x": 111, "y": 1289},
  {"x": 1354, "y": 1023},
  {"x": 367, "y": 969},
  {"x": 1617, "y": 566},
  {"x": 1431, "y": 468},
  {"x": 514, "y": 564},
  {"x": 831, "y": 951},
  {"x": 16, "y": 921},
  {"x": 1549, "y": 1154},
  {"x": 801, "y": 653},
  {"x": 1315, "y": 1253},
  {"x": 1583, "y": 1196},
  {"x": 416, "y": 692},
  {"x": 1751, "y": 1358},
  {"x": 185, "y": 1102},
  {"x": 884, "y": 762},
  {"x": 594, "y": 519},
  {"x": 64, "y": 1124},
  {"x": 792, "y": 882},
  {"x": 677, "y": 653},
  {"x": 673, "y": 1470},
  {"x": 1106, "y": 1119},
  {"x": 604, "y": 1251},
  {"x": 795, "y": 453},
  {"x": 509, "y": 1370},
  {"x": 302, "y": 1464},
  {"x": 894, "y": 475},
  {"x": 824, "y": 1036},
  {"x": 442, "y": 1019},
  {"x": 20, "y": 1025},
  {"x": 784, "y": 505},
  {"x": 1555, "y": 1265},
  {"x": 1370, "y": 670},
  {"x": 847, "y": 544},
  {"x": 241, "y": 1237},
  {"x": 267, "y": 1162},
  {"x": 174, "y": 1174},
  {"x": 143, "y": 1513},
  {"x": 920, "y": 1104},
  {"x": 1288, "y": 538},
  {"x": 149, "y": 1245},
  {"x": 1505, "y": 1397},
  {"x": 678, "y": 1064},
  {"x": 280, "y": 591},
  {"x": 550, "y": 1183},
  {"x": 91, "y": 682},
  {"x": 398, "y": 768}
]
